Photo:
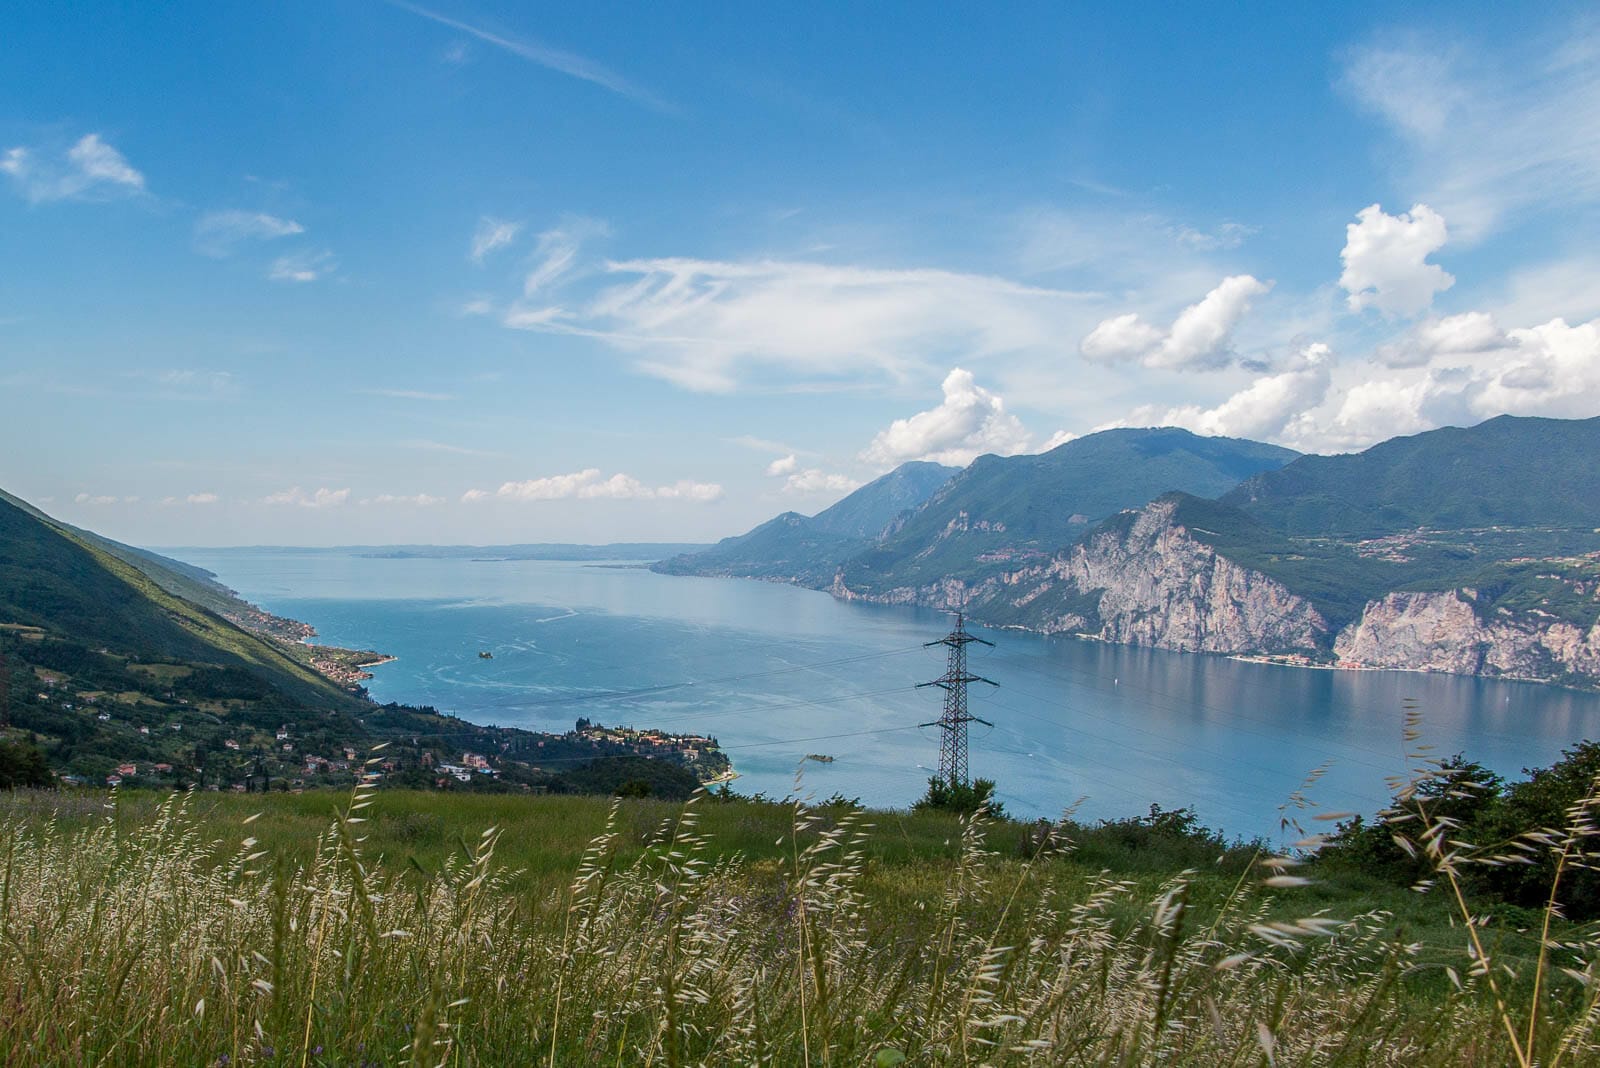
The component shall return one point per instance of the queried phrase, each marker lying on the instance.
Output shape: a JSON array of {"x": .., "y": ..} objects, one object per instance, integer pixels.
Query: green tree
[
  {"x": 1559, "y": 799},
  {"x": 22, "y": 764}
]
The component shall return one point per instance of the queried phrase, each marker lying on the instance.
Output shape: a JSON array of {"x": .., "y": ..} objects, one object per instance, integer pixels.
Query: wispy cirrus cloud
[
  {"x": 558, "y": 60},
  {"x": 90, "y": 170},
  {"x": 708, "y": 325},
  {"x": 219, "y": 233},
  {"x": 556, "y": 253},
  {"x": 408, "y": 394},
  {"x": 746, "y": 441},
  {"x": 492, "y": 234},
  {"x": 190, "y": 383},
  {"x": 428, "y": 445},
  {"x": 302, "y": 267},
  {"x": 1488, "y": 131}
]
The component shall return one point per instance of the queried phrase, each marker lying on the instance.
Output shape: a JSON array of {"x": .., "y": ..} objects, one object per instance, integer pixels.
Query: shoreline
[{"x": 1354, "y": 666}]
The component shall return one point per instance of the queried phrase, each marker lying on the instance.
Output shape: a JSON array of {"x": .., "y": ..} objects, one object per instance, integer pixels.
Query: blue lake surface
[{"x": 776, "y": 673}]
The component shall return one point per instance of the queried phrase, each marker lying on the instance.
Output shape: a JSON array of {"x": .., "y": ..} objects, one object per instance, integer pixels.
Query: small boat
[{"x": 485, "y": 656}]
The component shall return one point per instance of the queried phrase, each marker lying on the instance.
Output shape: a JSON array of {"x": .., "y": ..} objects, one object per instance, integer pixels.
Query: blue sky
[{"x": 339, "y": 272}]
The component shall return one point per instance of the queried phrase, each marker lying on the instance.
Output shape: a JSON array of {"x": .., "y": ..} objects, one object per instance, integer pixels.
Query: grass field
[{"x": 391, "y": 927}]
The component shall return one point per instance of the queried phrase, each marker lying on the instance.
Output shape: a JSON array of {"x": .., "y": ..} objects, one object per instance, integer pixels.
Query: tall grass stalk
[{"x": 178, "y": 938}]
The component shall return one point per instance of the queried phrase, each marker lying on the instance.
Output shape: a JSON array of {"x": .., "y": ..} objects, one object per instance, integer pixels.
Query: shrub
[{"x": 960, "y": 798}]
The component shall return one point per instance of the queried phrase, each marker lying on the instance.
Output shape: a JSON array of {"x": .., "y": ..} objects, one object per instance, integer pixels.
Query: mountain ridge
[{"x": 1486, "y": 537}]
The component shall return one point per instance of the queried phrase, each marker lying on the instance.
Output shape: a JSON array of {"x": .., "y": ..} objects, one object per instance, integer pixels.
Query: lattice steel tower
[{"x": 953, "y": 723}]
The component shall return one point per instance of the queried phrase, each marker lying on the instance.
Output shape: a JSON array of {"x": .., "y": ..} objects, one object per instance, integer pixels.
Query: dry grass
[{"x": 156, "y": 944}]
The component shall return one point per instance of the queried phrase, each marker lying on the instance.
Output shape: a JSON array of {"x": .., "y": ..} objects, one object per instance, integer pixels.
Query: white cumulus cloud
[
  {"x": 1552, "y": 370},
  {"x": 90, "y": 169},
  {"x": 969, "y": 422},
  {"x": 1273, "y": 407},
  {"x": 1385, "y": 260},
  {"x": 685, "y": 490},
  {"x": 1058, "y": 439},
  {"x": 1201, "y": 337},
  {"x": 816, "y": 480},
  {"x": 202, "y": 498},
  {"x": 785, "y": 465},
  {"x": 320, "y": 498},
  {"x": 1467, "y": 334},
  {"x": 590, "y": 484},
  {"x": 420, "y": 500}
]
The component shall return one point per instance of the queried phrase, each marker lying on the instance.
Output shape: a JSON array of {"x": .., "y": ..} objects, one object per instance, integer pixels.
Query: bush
[
  {"x": 1455, "y": 789},
  {"x": 960, "y": 798}
]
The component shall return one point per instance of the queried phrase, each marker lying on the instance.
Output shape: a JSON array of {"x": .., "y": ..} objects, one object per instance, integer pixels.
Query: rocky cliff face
[
  {"x": 1446, "y": 632},
  {"x": 1148, "y": 582},
  {"x": 1157, "y": 585}
]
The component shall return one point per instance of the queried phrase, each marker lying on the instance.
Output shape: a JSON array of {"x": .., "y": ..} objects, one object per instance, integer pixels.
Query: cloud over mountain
[
  {"x": 1200, "y": 338},
  {"x": 1385, "y": 260},
  {"x": 969, "y": 422}
]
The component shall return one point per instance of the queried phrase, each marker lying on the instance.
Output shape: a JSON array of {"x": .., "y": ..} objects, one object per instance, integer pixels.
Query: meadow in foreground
[{"x": 190, "y": 931}]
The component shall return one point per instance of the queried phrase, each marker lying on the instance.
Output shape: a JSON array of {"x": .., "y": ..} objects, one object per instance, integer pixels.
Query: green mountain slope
[
  {"x": 872, "y": 508},
  {"x": 1508, "y": 471},
  {"x": 1003, "y": 511},
  {"x": 175, "y": 576},
  {"x": 787, "y": 548},
  {"x": 117, "y": 679},
  {"x": 73, "y": 589}
]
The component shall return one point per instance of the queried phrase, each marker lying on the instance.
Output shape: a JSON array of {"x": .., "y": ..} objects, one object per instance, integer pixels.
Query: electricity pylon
[{"x": 953, "y": 723}]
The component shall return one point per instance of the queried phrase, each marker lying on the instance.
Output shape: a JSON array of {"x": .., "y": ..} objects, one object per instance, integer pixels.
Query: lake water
[{"x": 777, "y": 673}]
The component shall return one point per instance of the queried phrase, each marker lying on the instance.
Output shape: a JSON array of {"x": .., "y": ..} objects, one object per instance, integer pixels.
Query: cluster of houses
[
  {"x": 471, "y": 764},
  {"x": 128, "y": 770},
  {"x": 689, "y": 746}
]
